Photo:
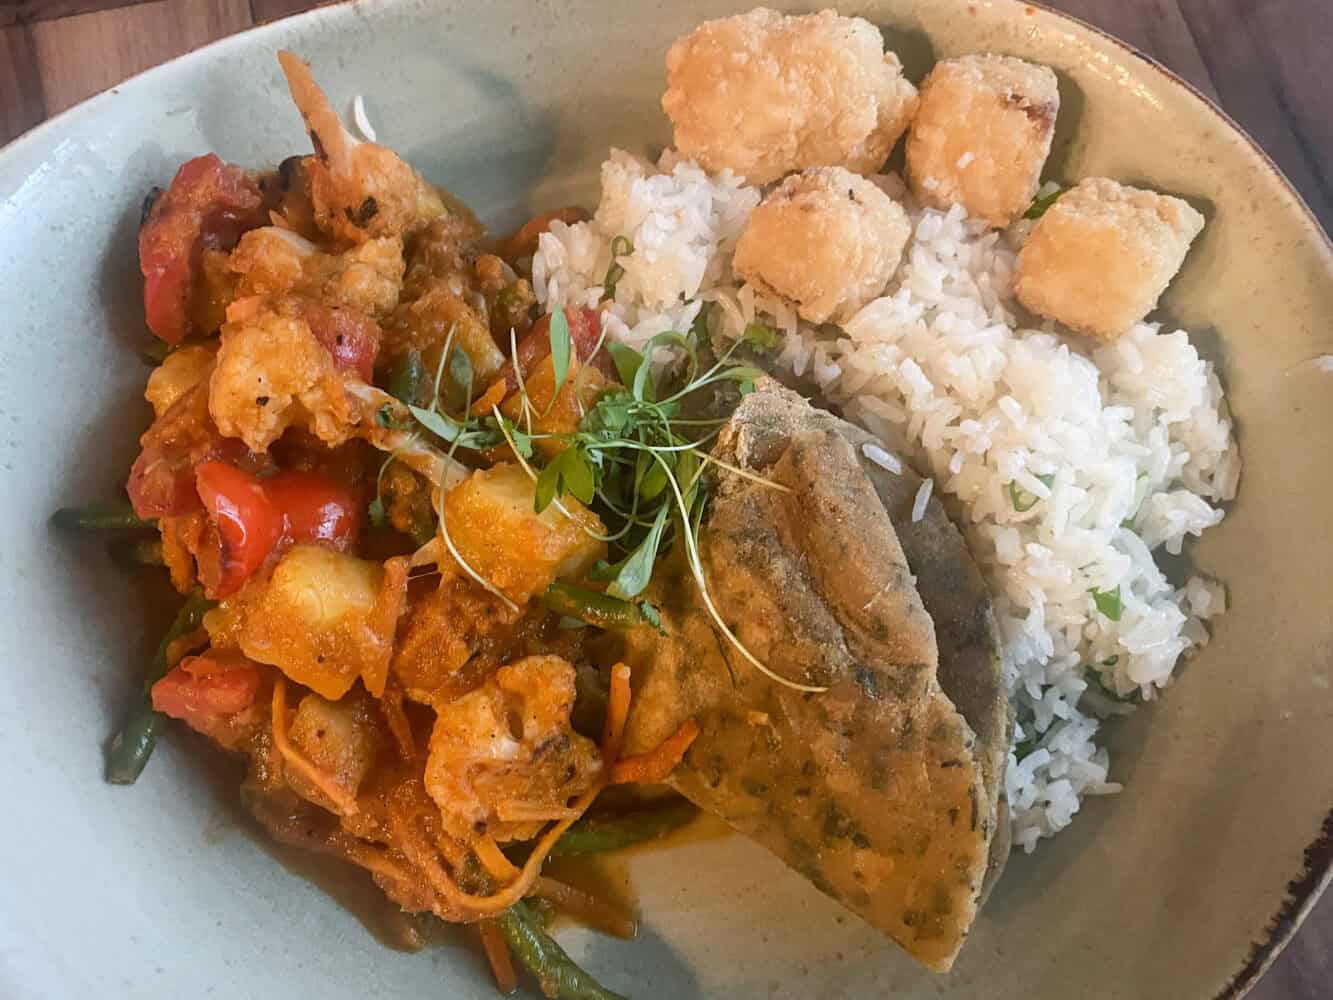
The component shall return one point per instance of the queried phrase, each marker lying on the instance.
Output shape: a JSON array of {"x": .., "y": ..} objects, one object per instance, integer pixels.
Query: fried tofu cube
[
  {"x": 826, "y": 240},
  {"x": 1102, "y": 255},
  {"x": 492, "y": 523},
  {"x": 981, "y": 135}
]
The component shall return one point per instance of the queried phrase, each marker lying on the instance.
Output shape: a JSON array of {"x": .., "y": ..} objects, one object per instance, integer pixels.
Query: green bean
[
  {"x": 538, "y": 952},
  {"x": 595, "y": 834},
  {"x": 100, "y": 519},
  {"x": 137, "y": 552},
  {"x": 130, "y": 748},
  {"x": 590, "y": 606},
  {"x": 155, "y": 351},
  {"x": 406, "y": 378}
]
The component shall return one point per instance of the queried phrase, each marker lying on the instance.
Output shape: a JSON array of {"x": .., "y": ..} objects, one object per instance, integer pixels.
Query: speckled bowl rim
[{"x": 1316, "y": 876}]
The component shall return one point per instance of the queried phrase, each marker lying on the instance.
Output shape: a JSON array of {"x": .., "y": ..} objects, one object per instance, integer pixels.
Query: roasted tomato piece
[
  {"x": 585, "y": 330},
  {"x": 252, "y": 519},
  {"x": 162, "y": 480},
  {"x": 352, "y": 338},
  {"x": 248, "y": 525},
  {"x": 205, "y": 691},
  {"x": 207, "y": 207},
  {"x": 316, "y": 508}
]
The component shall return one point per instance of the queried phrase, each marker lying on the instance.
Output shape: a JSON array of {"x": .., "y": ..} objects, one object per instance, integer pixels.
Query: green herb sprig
[{"x": 635, "y": 459}]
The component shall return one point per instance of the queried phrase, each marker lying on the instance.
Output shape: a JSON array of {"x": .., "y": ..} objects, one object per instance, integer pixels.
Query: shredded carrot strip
[
  {"x": 587, "y": 909},
  {"x": 320, "y": 118},
  {"x": 296, "y": 760},
  {"x": 487, "y": 906},
  {"x": 497, "y": 953},
  {"x": 654, "y": 766},
  {"x": 514, "y": 811},
  {"x": 493, "y": 860},
  {"x": 492, "y": 397},
  {"x": 617, "y": 711},
  {"x": 376, "y": 863},
  {"x": 396, "y": 719}
]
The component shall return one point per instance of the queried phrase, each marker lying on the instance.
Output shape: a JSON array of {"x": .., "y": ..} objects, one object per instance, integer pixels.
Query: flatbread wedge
[{"x": 872, "y": 789}]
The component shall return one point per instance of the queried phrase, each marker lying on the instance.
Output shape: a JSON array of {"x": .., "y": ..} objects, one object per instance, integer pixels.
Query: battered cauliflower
[
  {"x": 826, "y": 240},
  {"x": 503, "y": 759},
  {"x": 273, "y": 261},
  {"x": 981, "y": 135},
  {"x": 765, "y": 94},
  {"x": 358, "y": 190},
  {"x": 273, "y": 373}
]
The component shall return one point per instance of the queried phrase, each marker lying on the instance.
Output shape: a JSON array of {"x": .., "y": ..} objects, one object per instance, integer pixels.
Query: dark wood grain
[
  {"x": 28, "y": 11},
  {"x": 271, "y": 10},
  {"x": 21, "y": 103},
  {"x": 1270, "y": 61},
  {"x": 1155, "y": 27},
  {"x": 1265, "y": 61},
  {"x": 81, "y": 55}
]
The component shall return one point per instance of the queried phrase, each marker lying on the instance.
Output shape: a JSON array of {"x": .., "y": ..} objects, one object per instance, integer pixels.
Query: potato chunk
[
  {"x": 981, "y": 135},
  {"x": 1102, "y": 255},
  {"x": 826, "y": 240},
  {"x": 340, "y": 740},
  {"x": 179, "y": 372},
  {"x": 491, "y": 522},
  {"x": 764, "y": 94},
  {"x": 323, "y": 618}
]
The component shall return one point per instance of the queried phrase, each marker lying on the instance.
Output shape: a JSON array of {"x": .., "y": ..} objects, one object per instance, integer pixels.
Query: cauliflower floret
[
  {"x": 359, "y": 190},
  {"x": 504, "y": 759},
  {"x": 440, "y": 633},
  {"x": 981, "y": 135},
  {"x": 272, "y": 372},
  {"x": 765, "y": 94},
  {"x": 826, "y": 240},
  {"x": 273, "y": 261}
]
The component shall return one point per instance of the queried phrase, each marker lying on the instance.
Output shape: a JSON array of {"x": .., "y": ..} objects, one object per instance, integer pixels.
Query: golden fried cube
[
  {"x": 981, "y": 135},
  {"x": 826, "y": 240},
  {"x": 1102, "y": 255}
]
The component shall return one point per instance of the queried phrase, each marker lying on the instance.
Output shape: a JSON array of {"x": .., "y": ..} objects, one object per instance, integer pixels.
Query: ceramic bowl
[{"x": 1181, "y": 888}]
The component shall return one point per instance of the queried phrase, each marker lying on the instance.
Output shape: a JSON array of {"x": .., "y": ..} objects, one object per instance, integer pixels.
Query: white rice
[{"x": 1066, "y": 467}]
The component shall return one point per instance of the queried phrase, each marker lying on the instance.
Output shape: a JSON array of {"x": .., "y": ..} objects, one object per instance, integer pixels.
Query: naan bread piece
[
  {"x": 971, "y": 668},
  {"x": 870, "y": 789}
]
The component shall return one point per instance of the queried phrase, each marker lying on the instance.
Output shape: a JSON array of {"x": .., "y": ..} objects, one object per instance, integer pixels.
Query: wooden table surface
[{"x": 1265, "y": 61}]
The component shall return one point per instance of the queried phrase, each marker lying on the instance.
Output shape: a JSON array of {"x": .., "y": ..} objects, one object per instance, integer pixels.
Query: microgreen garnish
[
  {"x": 1108, "y": 602},
  {"x": 1039, "y": 205},
  {"x": 1024, "y": 501},
  {"x": 620, "y": 247},
  {"x": 760, "y": 336},
  {"x": 633, "y": 459},
  {"x": 560, "y": 350}
]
